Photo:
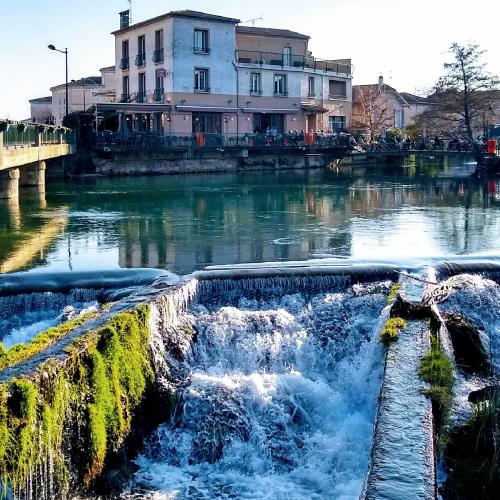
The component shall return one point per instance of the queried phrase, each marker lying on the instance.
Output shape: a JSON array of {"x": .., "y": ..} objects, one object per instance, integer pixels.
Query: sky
[{"x": 405, "y": 40}]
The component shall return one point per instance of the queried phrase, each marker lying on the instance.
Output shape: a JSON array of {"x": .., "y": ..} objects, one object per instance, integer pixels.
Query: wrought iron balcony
[
  {"x": 140, "y": 60},
  {"x": 140, "y": 96},
  {"x": 159, "y": 95},
  {"x": 158, "y": 56},
  {"x": 125, "y": 98},
  {"x": 292, "y": 61},
  {"x": 124, "y": 63}
]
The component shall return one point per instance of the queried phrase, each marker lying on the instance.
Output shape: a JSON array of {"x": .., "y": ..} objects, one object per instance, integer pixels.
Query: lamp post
[{"x": 65, "y": 52}]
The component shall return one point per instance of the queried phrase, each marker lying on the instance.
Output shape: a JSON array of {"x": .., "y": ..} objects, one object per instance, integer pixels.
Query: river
[{"x": 183, "y": 223}]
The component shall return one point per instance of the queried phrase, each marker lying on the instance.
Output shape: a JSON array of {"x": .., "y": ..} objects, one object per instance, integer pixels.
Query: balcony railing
[
  {"x": 125, "y": 98},
  {"x": 158, "y": 56},
  {"x": 140, "y": 96},
  {"x": 292, "y": 61},
  {"x": 255, "y": 91},
  {"x": 283, "y": 93},
  {"x": 124, "y": 63},
  {"x": 140, "y": 60},
  {"x": 159, "y": 95},
  {"x": 144, "y": 141}
]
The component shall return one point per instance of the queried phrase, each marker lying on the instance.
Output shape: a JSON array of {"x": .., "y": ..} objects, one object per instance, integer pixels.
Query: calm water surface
[{"x": 183, "y": 223}]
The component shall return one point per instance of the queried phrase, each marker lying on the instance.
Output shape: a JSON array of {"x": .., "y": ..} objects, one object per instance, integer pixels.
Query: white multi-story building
[
  {"x": 188, "y": 71},
  {"x": 41, "y": 109}
]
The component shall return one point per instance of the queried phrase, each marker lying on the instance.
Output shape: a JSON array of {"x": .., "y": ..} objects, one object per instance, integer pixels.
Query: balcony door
[{"x": 287, "y": 56}]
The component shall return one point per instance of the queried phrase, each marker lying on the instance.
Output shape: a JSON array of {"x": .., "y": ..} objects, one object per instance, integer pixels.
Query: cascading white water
[
  {"x": 23, "y": 316},
  {"x": 478, "y": 299},
  {"x": 278, "y": 401}
]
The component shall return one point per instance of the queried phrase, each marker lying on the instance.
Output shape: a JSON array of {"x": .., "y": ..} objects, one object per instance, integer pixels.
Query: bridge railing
[
  {"x": 22, "y": 135},
  {"x": 147, "y": 141}
]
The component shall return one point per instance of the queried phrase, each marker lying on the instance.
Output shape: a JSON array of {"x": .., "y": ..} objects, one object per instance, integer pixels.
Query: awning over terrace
[
  {"x": 133, "y": 107},
  {"x": 206, "y": 109},
  {"x": 310, "y": 107},
  {"x": 270, "y": 110}
]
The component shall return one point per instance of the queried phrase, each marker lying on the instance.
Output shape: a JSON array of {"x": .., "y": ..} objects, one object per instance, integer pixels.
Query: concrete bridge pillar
[
  {"x": 34, "y": 175},
  {"x": 9, "y": 184}
]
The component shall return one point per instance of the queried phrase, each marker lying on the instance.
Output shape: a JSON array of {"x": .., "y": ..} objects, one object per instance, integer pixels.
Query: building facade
[
  {"x": 41, "y": 109},
  {"x": 187, "y": 71},
  {"x": 83, "y": 93}
]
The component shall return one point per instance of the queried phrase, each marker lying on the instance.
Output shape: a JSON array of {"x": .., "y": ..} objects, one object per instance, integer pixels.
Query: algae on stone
[{"x": 95, "y": 391}]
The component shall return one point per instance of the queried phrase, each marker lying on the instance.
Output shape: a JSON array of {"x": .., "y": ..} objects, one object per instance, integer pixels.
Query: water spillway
[
  {"x": 279, "y": 395},
  {"x": 272, "y": 381}
]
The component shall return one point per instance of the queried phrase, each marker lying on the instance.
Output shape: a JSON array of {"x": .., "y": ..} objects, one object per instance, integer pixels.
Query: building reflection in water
[{"x": 183, "y": 223}]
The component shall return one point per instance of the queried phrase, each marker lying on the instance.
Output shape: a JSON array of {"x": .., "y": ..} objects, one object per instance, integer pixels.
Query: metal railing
[
  {"x": 292, "y": 61},
  {"x": 143, "y": 141},
  {"x": 140, "y": 60},
  {"x": 124, "y": 63},
  {"x": 140, "y": 96},
  {"x": 159, "y": 95},
  {"x": 158, "y": 56},
  {"x": 23, "y": 135}
]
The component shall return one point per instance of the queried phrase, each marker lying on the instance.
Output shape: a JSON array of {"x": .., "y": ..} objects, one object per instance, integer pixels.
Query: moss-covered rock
[
  {"x": 21, "y": 352},
  {"x": 71, "y": 414},
  {"x": 437, "y": 370},
  {"x": 390, "y": 331}
]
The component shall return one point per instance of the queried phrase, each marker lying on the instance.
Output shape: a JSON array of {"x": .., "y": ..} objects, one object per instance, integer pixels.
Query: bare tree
[
  {"x": 373, "y": 108},
  {"x": 463, "y": 96}
]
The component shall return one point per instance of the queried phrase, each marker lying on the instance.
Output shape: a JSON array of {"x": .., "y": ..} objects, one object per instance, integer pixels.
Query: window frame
[
  {"x": 311, "y": 89},
  {"x": 276, "y": 90},
  {"x": 205, "y": 39},
  {"x": 257, "y": 89},
  {"x": 197, "y": 80}
]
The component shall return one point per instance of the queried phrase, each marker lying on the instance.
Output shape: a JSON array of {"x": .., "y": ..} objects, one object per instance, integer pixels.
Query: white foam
[{"x": 280, "y": 403}]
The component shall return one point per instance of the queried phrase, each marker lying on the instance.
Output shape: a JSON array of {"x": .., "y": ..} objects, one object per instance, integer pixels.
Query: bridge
[{"x": 24, "y": 150}]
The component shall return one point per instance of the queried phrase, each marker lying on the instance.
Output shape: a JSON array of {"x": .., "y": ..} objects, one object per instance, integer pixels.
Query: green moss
[
  {"x": 393, "y": 292},
  {"x": 21, "y": 352},
  {"x": 95, "y": 392},
  {"x": 390, "y": 331},
  {"x": 437, "y": 370}
]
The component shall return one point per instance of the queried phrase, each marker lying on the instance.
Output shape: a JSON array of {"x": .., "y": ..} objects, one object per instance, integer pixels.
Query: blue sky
[{"x": 406, "y": 40}]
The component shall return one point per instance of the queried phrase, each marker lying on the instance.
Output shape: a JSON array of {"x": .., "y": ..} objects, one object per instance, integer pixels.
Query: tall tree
[
  {"x": 463, "y": 94},
  {"x": 372, "y": 108}
]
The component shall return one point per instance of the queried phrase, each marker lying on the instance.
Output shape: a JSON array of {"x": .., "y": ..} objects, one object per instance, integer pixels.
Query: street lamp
[{"x": 65, "y": 52}]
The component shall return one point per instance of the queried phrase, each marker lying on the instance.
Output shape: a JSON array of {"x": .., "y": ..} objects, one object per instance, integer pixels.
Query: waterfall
[
  {"x": 23, "y": 316},
  {"x": 276, "y": 388},
  {"x": 478, "y": 298}
]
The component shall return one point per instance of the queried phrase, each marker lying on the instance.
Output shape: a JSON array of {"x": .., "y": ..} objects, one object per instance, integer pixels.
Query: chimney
[
  {"x": 124, "y": 19},
  {"x": 380, "y": 83}
]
